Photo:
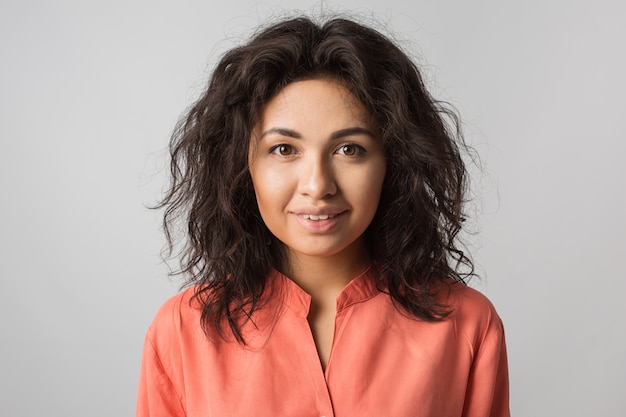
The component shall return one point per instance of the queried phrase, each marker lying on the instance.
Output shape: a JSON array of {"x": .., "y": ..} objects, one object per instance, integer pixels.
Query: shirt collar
[{"x": 359, "y": 289}]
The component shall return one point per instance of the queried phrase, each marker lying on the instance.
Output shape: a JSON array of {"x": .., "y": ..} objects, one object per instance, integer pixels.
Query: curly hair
[{"x": 413, "y": 238}]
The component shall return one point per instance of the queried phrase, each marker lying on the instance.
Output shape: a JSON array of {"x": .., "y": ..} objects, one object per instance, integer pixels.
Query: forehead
[{"x": 311, "y": 100}]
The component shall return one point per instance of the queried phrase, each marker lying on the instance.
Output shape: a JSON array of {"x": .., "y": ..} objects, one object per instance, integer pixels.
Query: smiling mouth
[{"x": 320, "y": 217}]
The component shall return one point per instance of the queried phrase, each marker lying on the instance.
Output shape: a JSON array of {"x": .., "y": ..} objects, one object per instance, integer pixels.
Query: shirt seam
[{"x": 166, "y": 374}]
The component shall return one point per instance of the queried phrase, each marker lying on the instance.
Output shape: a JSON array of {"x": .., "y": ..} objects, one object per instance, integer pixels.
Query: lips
[
  {"x": 319, "y": 220},
  {"x": 315, "y": 217}
]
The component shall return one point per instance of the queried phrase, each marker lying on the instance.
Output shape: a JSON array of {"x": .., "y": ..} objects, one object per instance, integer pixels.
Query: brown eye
[
  {"x": 351, "y": 150},
  {"x": 348, "y": 150},
  {"x": 282, "y": 149}
]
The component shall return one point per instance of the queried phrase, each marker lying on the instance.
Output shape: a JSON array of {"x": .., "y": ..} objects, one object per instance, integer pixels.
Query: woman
[{"x": 323, "y": 192}]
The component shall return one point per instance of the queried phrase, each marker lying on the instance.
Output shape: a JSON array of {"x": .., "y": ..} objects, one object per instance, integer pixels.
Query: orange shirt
[{"x": 382, "y": 363}]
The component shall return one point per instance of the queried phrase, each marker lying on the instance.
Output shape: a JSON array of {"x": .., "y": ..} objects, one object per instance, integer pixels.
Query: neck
[{"x": 321, "y": 276}]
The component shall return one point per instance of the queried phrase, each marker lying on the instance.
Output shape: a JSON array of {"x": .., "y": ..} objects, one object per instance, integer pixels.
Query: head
[
  {"x": 317, "y": 166},
  {"x": 419, "y": 210}
]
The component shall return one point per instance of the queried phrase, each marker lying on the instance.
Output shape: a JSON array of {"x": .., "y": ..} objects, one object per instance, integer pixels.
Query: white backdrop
[{"x": 90, "y": 91}]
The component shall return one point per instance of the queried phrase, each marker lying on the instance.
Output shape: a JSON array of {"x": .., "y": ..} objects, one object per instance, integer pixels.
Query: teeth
[{"x": 315, "y": 218}]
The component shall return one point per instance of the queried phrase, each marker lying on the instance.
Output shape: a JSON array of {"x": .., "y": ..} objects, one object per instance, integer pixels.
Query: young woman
[{"x": 322, "y": 191}]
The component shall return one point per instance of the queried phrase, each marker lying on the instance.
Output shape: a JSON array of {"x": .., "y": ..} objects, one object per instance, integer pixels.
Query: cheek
[
  {"x": 271, "y": 188},
  {"x": 375, "y": 188},
  {"x": 366, "y": 184}
]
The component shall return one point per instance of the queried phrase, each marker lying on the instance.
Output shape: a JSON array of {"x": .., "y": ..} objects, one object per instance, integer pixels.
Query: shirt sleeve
[
  {"x": 487, "y": 392},
  {"x": 157, "y": 396}
]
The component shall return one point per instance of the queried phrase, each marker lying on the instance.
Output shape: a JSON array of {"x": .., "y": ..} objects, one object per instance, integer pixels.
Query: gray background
[{"x": 90, "y": 91}]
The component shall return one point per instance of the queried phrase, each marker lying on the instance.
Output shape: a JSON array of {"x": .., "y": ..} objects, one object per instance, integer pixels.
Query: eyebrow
[{"x": 350, "y": 131}]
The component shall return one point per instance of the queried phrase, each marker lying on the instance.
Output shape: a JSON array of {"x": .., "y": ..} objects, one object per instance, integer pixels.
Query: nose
[{"x": 317, "y": 179}]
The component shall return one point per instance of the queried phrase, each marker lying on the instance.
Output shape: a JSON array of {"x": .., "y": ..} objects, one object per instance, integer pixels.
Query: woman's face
[{"x": 317, "y": 167}]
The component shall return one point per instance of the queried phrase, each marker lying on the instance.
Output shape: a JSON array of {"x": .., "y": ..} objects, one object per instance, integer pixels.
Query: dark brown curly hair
[{"x": 229, "y": 252}]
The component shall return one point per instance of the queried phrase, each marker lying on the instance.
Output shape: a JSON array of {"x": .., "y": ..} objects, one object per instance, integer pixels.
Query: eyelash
[
  {"x": 276, "y": 149},
  {"x": 357, "y": 149}
]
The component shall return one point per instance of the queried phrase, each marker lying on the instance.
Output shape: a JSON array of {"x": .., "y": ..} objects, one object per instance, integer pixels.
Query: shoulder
[
  {"x": 176, "y": 307},
  {"x": 472, "y": 312},
  {"x": 468, "y": 300},
  {"x": 177, "y": 315},
  {"x": 168, "y": 347}
]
